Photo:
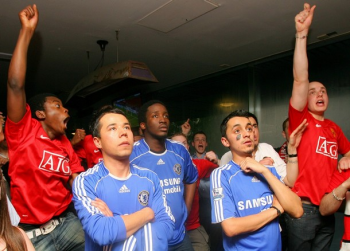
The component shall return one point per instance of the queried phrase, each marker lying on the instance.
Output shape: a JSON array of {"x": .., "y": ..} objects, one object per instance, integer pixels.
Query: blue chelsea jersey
[
  {"x": 238, "y": 194},
  {"x": 123, "y": 196},
  {"x": 174, "y": 167}
]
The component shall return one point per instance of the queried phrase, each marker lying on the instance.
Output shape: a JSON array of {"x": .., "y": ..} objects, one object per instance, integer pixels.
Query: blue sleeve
[
  {"x": 191, "y": 174},
  {"x": 101, "y": 229},
  {"x": 222, "y": 205},
  {"x": 164, "y": 223}
]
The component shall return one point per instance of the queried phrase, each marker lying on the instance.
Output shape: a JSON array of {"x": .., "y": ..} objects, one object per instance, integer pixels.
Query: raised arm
[
  {"x": 16, "y": 99},
  {"x": 186, "y": 127},
  {"x": 300, "y": 65},
  {"x": 292, "y": 163}
]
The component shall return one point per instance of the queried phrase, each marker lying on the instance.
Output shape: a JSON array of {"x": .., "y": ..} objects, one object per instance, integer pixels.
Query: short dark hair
[
  {"x": 284, "y": 124},
  {"x": 144, "y": 108},
  {"x": 95, "y": 125},
  {"x": 237, "y": 113},
  {"x": 37, "y": 102},
  {"x": 198, "y": 132}
]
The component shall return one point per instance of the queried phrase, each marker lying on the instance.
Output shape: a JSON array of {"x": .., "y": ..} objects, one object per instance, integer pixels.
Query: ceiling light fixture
[
  {"x": 106, "y": 76},
  {"x": 227, "y": 104}
]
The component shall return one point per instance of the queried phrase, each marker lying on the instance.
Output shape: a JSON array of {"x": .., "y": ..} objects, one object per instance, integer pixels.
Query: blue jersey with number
[
  {"x": 123, "y": 196},
  {"x": 174, "y": 168},
  {"x": 238, "y": 194}
]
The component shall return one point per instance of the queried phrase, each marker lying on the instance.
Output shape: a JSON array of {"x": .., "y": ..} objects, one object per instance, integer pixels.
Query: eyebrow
[
  {"x": 113, "y": 124},
  {"x": 311, "y": 89},
  {"x": 241, "y": 125}
]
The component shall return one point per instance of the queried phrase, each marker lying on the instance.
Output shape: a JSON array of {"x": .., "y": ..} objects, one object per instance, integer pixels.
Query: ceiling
[{"x": 234, "y": 32}]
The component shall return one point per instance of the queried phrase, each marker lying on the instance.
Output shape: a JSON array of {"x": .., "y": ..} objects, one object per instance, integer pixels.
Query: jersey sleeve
[
  {"x": 164, "y": 224},
  {"x": 16, "y": 133},
  {"x": 80, "y": 151},
  {"x": 102, "y": 230},
  {"x": 74, "y": 161},
  {"x": 222, "y": 204},
  {"x": 337, "y": 180},
  {"x": 191, "y": 173},
  {"x": 296, "y": 117},
  {"x": 343, "y": 142}
]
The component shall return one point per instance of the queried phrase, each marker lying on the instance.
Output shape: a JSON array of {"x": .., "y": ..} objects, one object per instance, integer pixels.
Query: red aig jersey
[
  {"x": 39, "y": 169},
  {"x": 317, "y": 154},
  {"x": 87, "y": 150}
]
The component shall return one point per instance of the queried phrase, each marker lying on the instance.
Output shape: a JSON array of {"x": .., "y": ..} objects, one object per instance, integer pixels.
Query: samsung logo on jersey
[
  {"x": 263, "y": 201},
  {"x": 174, "y": 189},
  {"x": 170, "y": 182}
]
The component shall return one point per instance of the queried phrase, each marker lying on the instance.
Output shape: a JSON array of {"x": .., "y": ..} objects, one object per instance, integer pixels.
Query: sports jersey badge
[
  {"x": 143, "y": 198},
  {"x": 334, "y": 133},
  {"x": 218, "y": 193},
  {"x": 177, "y": 169}
]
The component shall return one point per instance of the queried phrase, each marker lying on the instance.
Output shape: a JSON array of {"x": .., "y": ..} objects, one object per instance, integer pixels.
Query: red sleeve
[
  {"x": 343, "y": 143},
  {"x": 296, "y": 117},
  {"x": 204, "y": 167},
  {"x": 80, "y": 151},
  {"x": 337, "y": 180},
  {"x": 18, "y": 132},
  {"x": 74, "y": 161}
]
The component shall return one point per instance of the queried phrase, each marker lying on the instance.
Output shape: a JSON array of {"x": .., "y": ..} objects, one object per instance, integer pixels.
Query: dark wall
[{"x": 264, "y": 88}]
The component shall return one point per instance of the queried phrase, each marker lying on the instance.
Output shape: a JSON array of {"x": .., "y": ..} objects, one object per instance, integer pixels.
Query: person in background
[
  {"x": 85, "y": 148},
  {"x": 283, "y": 150},
  {"x": 213, "y": 230},
  {"x": 196, "y": 232}
]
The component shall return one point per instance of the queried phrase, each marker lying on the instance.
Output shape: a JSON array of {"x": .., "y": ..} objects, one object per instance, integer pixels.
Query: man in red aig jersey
[{"x": 43, "y": 162}]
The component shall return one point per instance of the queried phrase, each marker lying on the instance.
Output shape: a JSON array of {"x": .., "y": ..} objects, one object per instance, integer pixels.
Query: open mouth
[
  {"x": 65, "y": 122},
  {"x": 320, "y": 102}
]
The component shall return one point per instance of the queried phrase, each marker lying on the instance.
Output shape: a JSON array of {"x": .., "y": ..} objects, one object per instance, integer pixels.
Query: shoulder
[
  {"x": 92, "y": 175},
  {"x": 174, "y": 145},
  {"x": 226, "y": 169},
  {"x": 142, "y": 171}
]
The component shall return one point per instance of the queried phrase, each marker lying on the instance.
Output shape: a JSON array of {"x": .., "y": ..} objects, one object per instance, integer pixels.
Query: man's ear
[
  {"x": 40, "y": 114},
  {"x": 225, "y": 142},
  {"x": 143, "y": 126},
  {"x": 284, "y": 135},
  {"x": 193, "y": 143},
  {"x": 97, "y": 142}
]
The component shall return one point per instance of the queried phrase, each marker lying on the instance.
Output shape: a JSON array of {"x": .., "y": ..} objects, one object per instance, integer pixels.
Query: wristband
[
  {"x": 278, "y": 211},
  {"x": 292, "y": 155},
  {"x": 336, "y": 197},
  {"x": 302, "y": 37}
]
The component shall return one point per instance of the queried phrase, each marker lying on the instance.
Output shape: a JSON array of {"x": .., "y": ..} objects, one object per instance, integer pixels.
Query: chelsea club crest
[
  {"x": 177, "y": 169},
  {"x": 143, "y": 198}
]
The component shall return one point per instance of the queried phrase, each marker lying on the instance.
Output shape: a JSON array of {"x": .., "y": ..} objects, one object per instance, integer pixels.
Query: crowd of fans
[{"x": 112, "y": 189}]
